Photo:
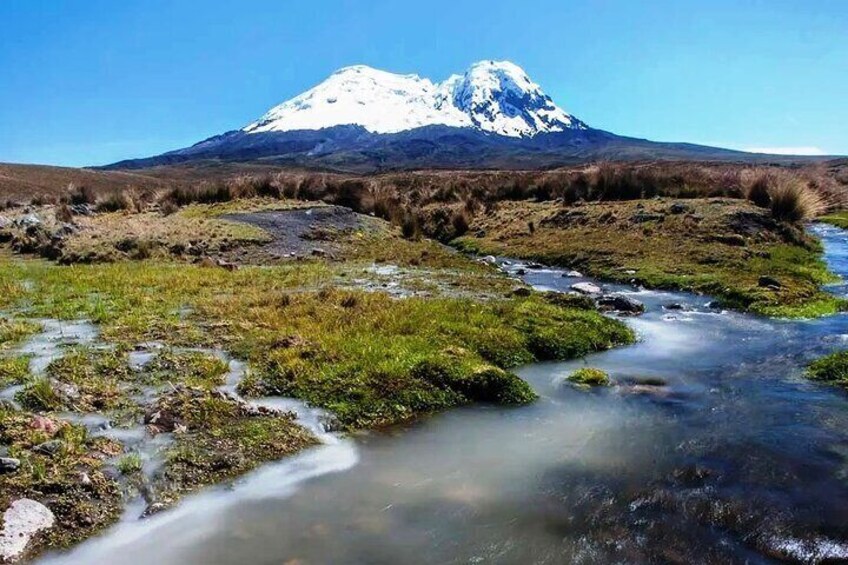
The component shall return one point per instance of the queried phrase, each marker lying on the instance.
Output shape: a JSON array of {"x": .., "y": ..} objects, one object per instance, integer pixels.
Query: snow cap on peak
[{"x": 492, "y": 96}]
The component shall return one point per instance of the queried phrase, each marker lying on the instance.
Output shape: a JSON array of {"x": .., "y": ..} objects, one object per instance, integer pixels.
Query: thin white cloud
[{"x": 801, "y": 150}]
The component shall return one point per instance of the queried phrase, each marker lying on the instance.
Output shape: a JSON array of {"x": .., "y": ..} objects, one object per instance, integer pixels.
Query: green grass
[
  {"x": 350, "y": 351},
  {"x": 305, "y": 329},
  {"x": 97, "y": 375},
  {"x": 14, "y": 370},
  {"x": 39, "y": 395},
  {"x": 13, "y": 331},
  {"x": 832, "y": 369},
  {"x": 130, "y": 464},
  {"x": 838, "y": 219}
]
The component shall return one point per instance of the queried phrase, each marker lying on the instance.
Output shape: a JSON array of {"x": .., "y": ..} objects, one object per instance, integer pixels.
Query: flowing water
[{"x": 710, "y": 447}]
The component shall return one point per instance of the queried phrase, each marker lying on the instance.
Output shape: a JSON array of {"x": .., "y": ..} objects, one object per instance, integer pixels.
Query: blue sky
[{"x": 94, "y": 81}]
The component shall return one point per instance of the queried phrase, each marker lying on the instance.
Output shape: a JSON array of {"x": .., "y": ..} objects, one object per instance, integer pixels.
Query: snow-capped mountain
[
  {"x": 362, "y": 119},
  {"x": 491, "y": 96}
]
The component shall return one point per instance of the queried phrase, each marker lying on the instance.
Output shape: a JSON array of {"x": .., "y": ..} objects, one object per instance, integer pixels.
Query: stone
[
  {"x": 673, "y": 306},
  {"x": 50, "y": 447},
  {"x": 64, "y": 230},
  {"x": 678, "y": 208},
  {"x": 620, "y": 303},
  {"x": 643, "y": 217},
  {"x": 21, "y": 521},
  {"x": 227, "y": 265},
  {"x": 573, "y": 274},
  {"x": 67, "y": 392},
  {"x": 82, "y": 209},
  {"x": 8, "y": 405},
  {"x": 44, "y": 424},
  {"x": 318, "y": 252},
  {"x": 586, "y": 288},
  {"x": 521, "y": 291},
  {"x": 9, "y": 465},
  {"x": 111, "y": 472},
  {"x": 733, "y": 239},
  {"x": 490, "y": 259},
  {"x": 28, "y": 220},
  {"x": 520, "y": 272}
]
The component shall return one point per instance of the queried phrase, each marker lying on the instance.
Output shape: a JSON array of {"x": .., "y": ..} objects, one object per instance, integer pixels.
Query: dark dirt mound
[{"x": 303, "y": 232}]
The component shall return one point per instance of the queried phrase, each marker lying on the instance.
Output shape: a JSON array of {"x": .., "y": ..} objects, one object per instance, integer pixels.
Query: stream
[{"x": 710, "y": 446}]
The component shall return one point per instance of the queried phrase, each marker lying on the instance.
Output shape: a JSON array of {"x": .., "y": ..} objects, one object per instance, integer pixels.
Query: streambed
[{"x": 710, "y": 446}]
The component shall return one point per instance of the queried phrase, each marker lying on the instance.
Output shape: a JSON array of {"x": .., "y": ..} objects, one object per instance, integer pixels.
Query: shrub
[
  {"x": 63, "y": 213},
  {"x": 791, "y": 200},
  {"x": 759, "y": 192},
  {"x": 81, "y": 194},
  {"x": 460, "y": 223},
  {"x": 122, "y": 200},
  {"x": 43, "y": 200},
  {"x": 168, "y": 207}
]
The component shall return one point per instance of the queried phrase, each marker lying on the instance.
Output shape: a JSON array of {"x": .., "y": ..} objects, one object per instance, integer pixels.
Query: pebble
[
  {"x": 9, "y": 465},
  {"x": 51, "y": 447}
]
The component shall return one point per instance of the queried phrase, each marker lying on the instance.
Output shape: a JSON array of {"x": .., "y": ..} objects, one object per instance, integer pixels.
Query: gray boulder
[
  {"x": 620, "y": 303},
  {"x": 586, "y": 288}
]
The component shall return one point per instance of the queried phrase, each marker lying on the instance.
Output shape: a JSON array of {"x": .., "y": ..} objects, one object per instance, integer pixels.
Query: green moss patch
[
  {"x": 192, "y": 368},
  {"x": 219, "y": 438},
  {"x": 589, "y": 376},
  {"x": 832, "y": 369}
]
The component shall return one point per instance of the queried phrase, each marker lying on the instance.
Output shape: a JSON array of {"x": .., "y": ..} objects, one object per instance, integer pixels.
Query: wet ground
[{"x": 710, "y": 447}]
